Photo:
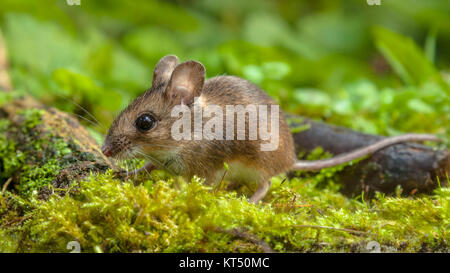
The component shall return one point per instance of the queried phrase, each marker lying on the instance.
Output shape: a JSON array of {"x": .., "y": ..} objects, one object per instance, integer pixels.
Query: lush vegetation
[{"x": 377, "y": 69}]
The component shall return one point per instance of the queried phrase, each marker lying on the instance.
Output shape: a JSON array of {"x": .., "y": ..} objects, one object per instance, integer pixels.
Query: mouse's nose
[{"x": 107, "y": 151}]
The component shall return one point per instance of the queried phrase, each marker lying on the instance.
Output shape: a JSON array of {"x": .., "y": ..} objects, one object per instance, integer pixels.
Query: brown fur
[{"x": 203, "y": 158}]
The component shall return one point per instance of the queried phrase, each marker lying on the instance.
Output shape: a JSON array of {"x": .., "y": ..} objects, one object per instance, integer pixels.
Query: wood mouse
[{"x": 145, "y": 130}]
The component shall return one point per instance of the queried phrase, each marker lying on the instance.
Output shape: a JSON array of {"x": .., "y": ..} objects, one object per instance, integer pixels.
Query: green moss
[
  {"x": 174, "y": 216},
  {"x": 10, "y": 159},
  {"x": 34, "y": 178},
  {"x": 31, "y": 119},
  {"x": 38, "y": 157}
]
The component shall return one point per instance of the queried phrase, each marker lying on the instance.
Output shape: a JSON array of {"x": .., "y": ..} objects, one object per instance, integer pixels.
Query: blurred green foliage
[{"x": 379, "y": 69}]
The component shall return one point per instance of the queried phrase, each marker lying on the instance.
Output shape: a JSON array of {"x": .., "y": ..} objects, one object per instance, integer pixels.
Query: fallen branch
[
  {"x": 415, "y": 167},
  {"x": 5, "y": 186}
]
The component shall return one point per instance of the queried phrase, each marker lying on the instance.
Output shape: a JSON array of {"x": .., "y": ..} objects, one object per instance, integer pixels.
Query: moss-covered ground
[
  {"x": 159, "y": 213},
  {"x": 162, "y": 215}
]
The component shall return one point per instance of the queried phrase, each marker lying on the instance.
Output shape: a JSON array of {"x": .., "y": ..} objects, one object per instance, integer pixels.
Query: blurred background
[{"x": 380, "y": 69}]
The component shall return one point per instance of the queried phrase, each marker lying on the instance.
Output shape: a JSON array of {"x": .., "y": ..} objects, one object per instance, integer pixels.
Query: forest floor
[{"x": 41, "y": 210}]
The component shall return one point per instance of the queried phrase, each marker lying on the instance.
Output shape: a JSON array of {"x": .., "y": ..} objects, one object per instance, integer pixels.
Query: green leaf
[
  {"x": 420, "y": 106},
  {"x": 405, "y": 57},
  {"x": 276, "y": 70},
  {"x": 79, "y": 85},
  {"x": 313, "y": 97},
  {"x": 40, "y": 47},
  {"x": 430, "y": 45},
  {"x": 253, "y": 73}
]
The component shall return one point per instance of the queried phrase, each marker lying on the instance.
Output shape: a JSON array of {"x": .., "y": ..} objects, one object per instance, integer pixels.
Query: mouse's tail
[{"x": 313, "y": 165}]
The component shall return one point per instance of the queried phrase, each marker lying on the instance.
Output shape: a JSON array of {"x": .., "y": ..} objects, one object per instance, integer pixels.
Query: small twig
[
  {"x": 5, "y": 186},
  {"x": 238, "y": 233},
  {"x": 333, "y": 228},
  {"x": 221, "y": 180},
  {"x": 17, "y": 220}
]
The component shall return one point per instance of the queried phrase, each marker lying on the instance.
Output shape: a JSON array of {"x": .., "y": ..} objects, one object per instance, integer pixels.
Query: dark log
[{"x": 415, "y": 167}]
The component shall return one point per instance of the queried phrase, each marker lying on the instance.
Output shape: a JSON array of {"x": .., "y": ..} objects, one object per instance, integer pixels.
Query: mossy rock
[{"x": 44, "y": 148}]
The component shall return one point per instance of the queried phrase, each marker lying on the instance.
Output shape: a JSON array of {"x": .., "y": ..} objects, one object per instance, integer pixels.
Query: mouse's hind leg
[
  {"x": 261, "y": 191},
  {"x": 246, "y": 173}
]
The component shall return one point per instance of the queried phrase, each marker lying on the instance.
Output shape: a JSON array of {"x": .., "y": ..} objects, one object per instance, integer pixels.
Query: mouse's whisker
[
  {"x": 192, "y": 151},
  {"x": 88, "y": 120},
  {"x": 170, "y": 147},
  {"x": 152, "y": 159},
  {"x": 143, "y": 167},
  {"x": 97, "y": 122},
  {"x": 122, "y": 158},
  {"x": 132, "y": 154}
]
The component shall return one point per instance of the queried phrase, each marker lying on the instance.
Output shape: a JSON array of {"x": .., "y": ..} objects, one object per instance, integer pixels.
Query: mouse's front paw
[
  {"x": 125, "y": 175},
  {"x": 122, "y": 174}
]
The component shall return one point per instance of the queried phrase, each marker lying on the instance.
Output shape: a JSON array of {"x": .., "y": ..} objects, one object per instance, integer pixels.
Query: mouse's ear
[
  {"x": 163, "y": 70},
  {"x": 186, "y": 82}
]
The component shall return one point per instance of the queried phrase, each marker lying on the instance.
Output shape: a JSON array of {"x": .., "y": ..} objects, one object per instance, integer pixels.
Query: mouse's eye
[{"x": 145, "y": 122}]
